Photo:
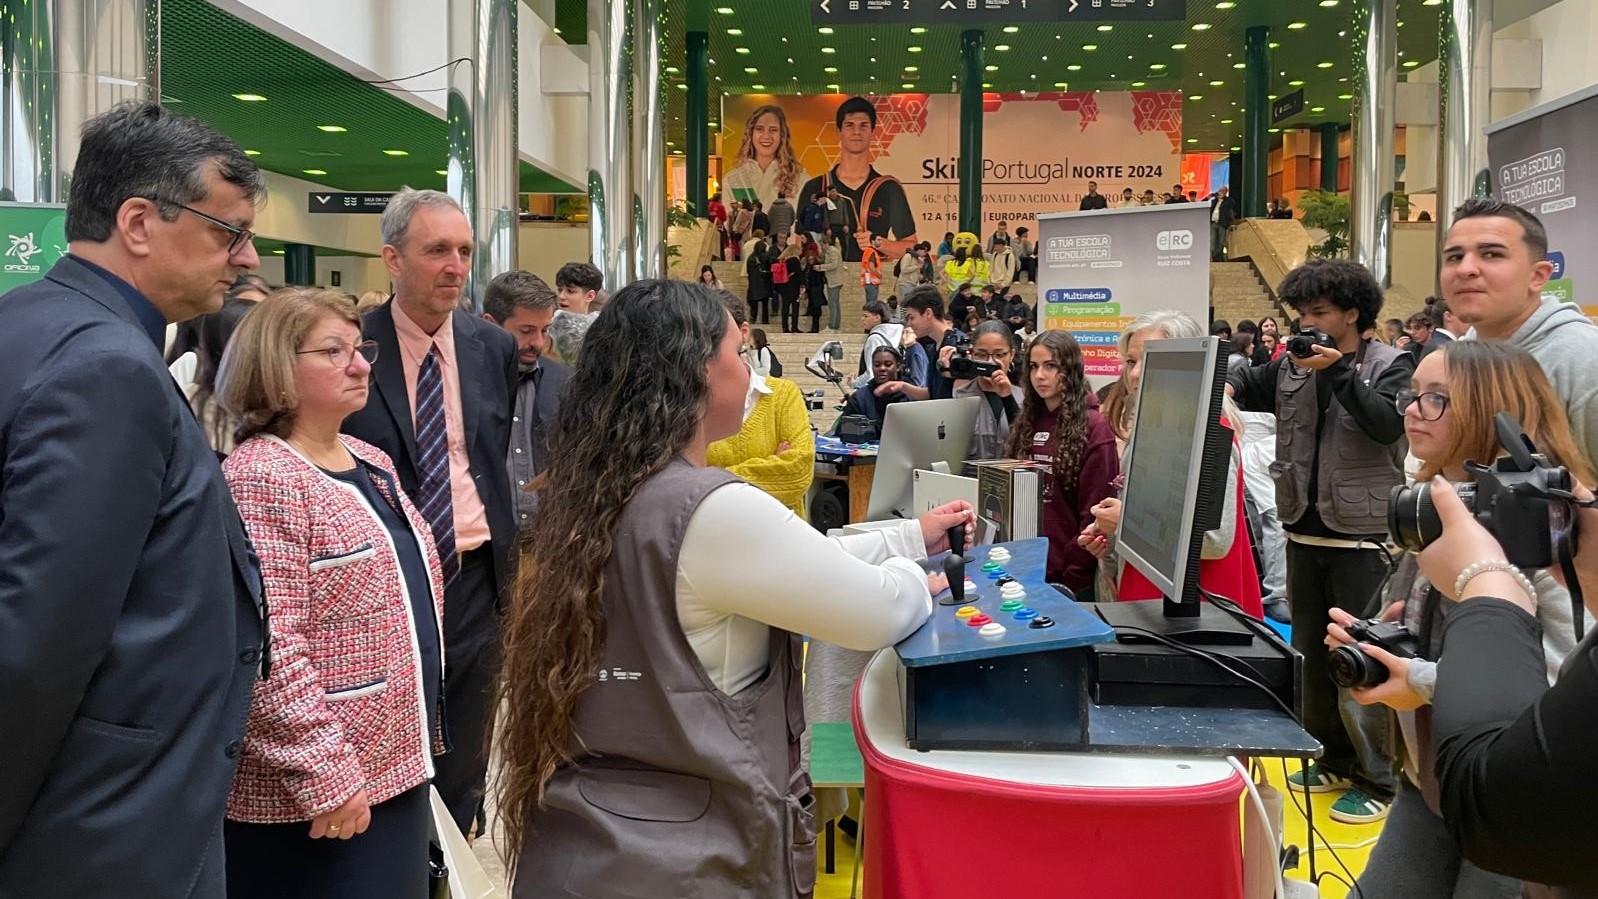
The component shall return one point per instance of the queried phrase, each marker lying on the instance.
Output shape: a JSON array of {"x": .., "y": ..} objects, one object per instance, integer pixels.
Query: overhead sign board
[
  {"x": 1286, "y": 107},
  {"x": 347, "y": 203},
  {"x": 976, "y": 12}
]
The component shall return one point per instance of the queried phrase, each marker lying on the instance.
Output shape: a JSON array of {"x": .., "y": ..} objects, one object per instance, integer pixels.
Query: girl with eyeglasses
[
  {"x": 1448, "y": 416},
  {"x": 992, "y": 342}
]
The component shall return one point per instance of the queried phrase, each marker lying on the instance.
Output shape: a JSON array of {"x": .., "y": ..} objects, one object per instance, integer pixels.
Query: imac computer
[
  {"x": 1176, "y": 471},
  {"x": 916, "y": 435}
]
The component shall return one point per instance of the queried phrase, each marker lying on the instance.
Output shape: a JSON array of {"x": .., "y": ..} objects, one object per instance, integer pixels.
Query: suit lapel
[
  {"x": 469, "y": 362},
  {"x": 388, "y": 373}
]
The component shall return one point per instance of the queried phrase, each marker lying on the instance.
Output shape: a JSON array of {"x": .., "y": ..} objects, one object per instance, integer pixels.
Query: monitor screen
[
  {"x": 1175, "y": 464},
  {"x": 918, "y": 435}
]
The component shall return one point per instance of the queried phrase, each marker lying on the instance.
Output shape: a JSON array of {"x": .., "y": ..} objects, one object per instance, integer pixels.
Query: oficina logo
[
  {"x": 23, "y": 249},
  {"x": 1167, "y": 241}
]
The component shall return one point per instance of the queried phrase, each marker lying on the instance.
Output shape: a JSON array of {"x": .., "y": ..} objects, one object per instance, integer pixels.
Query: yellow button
[{"x": 965, "y": 611}]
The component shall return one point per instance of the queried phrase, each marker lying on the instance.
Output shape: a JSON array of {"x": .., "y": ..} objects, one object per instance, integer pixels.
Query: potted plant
[{"x": 1328, "y": 211}]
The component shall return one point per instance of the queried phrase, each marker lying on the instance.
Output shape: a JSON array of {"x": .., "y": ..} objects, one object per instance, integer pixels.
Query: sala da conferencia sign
[{"x": 961, "y": 12}]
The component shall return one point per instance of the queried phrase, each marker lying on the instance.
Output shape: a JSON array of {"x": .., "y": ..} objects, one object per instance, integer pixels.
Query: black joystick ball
[{"x": 954, "y": 570}]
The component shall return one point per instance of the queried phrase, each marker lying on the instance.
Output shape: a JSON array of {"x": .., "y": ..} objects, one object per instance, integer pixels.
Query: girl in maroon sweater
[{"x": 1060, "y": 425}]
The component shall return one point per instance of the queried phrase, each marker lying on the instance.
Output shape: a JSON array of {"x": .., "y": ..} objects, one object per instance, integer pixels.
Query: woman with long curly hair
[
  {"x": 766, "y": 162},
  {"x": 1060, "y": 425},
  {"x": 651, "y": 684}
]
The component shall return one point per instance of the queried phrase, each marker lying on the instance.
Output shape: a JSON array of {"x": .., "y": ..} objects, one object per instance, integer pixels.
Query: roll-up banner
[
  {"x": 1099, "y": 270},
  {"x": 1542, "y": 161}
]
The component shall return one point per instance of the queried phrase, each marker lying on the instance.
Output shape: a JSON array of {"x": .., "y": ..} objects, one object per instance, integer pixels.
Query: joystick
[
  {"x": 954, "y": 570},
  {"x": 957, "y": 543}
]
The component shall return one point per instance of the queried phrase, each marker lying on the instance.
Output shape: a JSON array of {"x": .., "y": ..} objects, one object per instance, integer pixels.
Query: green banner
[{"x": 35, "y": 237}]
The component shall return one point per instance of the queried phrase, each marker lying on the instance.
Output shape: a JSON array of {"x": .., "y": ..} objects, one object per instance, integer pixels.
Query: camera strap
[{"x": 1567, "y": 565}]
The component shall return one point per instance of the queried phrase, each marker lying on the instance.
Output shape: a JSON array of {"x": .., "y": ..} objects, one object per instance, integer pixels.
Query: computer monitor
[
  {"x": 918, "y": 435},
  {"x": 1176, "y": 466}
]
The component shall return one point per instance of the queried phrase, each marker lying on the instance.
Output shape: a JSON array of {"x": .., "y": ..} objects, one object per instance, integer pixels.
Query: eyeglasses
[
  {"x": 241, "y": 236},
  {"x": 343, "y": 354},
  {"x": 981, "y": 356},
  {"x": 1432, "y": 405}
]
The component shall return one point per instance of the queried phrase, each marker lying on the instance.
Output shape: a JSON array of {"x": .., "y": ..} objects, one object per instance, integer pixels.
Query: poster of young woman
[{"x": 888, "y": 164}]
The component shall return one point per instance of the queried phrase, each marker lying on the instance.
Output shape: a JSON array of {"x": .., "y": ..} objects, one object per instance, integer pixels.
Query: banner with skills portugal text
[
  {"x": 1099, "y": 270},
  {"x": 1040, "y": 150}
]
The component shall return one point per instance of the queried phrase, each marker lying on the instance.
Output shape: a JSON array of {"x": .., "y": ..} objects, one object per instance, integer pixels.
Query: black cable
[
  {"x": 1352, "y": 882},
  {"x": 1217, "y": 662},
  {"x": 382, "y": 81}
]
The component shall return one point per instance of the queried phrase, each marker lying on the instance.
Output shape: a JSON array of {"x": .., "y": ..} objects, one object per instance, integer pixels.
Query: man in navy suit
[
  {"x": 440, "y": 407},
  {"x": 131, "y": 620},
  {"x": 524, "y": 305}
]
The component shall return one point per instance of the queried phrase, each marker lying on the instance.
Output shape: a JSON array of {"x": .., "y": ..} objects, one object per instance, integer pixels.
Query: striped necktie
[{"x": 432, "y": 461}]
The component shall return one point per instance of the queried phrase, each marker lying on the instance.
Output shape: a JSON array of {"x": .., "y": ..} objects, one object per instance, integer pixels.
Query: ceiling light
[
  {"x": 1010, "y": 29},
  {"x": 315, "y": 171},
  {"x": 1295, "y": 83},
  {"x": 1226, "y": 121},
  {"x": 1239, "y": 65},
  {"x": 1432, "y": 3},
  {"x": 828, "y": 50},
  {"x": 986, "y": 85},
  {"x": 913, "y": 49},
  {"x": 1274, "y": 130},
  {"x": 671, "y": 70},
  {"x": 1217, "y": 84},
  {"x": 280, "y": 252},
  {"x": 332, "y": 129},
  {"x": 1328, "y": 3},
  {"x": 441, "y": 171},
  {"x": 1157, "y": 66},
  {"x": 1138, "y": 83},
  {"x": 252, "y": 152},
  {"x": 1297, "y": 25},
  {"x": 1179, "y": 46},
  {"x": 1192, "y": 140},
  {"x": 1273, "y": 45},
  {"x": 907, "y": 86},
  {"x": 1201, "y": 26},
  {"x": 1324, "y": 64},
  {"x": 396, "y": 152},
  {"x": 682, "y": 87},
  {"x": 736, "y": 32},
  {"x": 743, "y": 50},
  {"x": 1073, "y": 67},
  {"x": 1317, "y": 109},
  {"x": 833, "y": 88},
  {"x": 1411, "y": 63},
  {"x": 1225, "y": 4},
  {"x": 1002, "y": 47},
  {"x": 250, "y": 98},
  {"x": 758, "y": 87},
  {"x": 1345, "y": 96},
  {"x": 750, "y": 69},
  {"x": 824, "y": 30},
  {"x": 912, "y": 68},
  {"x": 1106, "y": 27},
  {"x": 990, "y": 68},
  {"x": 919, "y": 29},
  {"x": 1090, "y": 47},
  {"x": 1062, "y": 85},
  {"x": 724, "y": 10},
  {"x": 831, "y": 70}
]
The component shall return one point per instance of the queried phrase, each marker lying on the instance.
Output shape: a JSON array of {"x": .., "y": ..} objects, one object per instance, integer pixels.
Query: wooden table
[{"x": 858, "y": 472}]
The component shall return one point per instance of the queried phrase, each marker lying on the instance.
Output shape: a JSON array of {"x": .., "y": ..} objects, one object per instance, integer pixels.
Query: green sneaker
[
  {"x": 1354, "y": 807},
  {"x": 1319, "y": 780}
]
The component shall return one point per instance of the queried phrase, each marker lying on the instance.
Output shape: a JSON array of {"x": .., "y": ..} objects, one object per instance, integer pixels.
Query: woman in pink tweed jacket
[{"x": 331, "y": 793}]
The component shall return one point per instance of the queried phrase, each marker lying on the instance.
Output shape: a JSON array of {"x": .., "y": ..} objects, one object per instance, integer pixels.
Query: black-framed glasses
[
  {"x": 1432, "y": 405},
  {"x": 241, "y": 236},
  {"x": 341, "y": 355},
  {"x": 985, "y": 356}
]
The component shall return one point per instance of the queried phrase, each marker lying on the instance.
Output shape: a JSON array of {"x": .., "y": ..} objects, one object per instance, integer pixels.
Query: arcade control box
[{"x": 1009, "y": 667}]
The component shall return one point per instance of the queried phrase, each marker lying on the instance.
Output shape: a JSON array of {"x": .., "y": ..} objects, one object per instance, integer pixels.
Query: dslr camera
[
  {"x": 1303, "y": 343},
  {"x": 1353, "y": 669},
  {"x": 1522, "y": 499},
  {"x": 963, "y": 368}
]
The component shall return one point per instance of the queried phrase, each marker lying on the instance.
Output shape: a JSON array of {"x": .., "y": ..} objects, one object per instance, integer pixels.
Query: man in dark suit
[
  {"x": 524, "y": 305},
  {"x": 131, "y": 621},
  {"x": 440, "y": 407},
  {"x": 1223, "y": 213}
]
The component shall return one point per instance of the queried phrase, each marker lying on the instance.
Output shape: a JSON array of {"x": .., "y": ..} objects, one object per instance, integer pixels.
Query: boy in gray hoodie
[{"x": 1494, "y": 266}]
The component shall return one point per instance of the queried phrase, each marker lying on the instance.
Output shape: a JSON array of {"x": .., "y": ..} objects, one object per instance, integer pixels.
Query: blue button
[
  {"x": 1026, "y": 614},
  {"x": 996, "y": 574}
]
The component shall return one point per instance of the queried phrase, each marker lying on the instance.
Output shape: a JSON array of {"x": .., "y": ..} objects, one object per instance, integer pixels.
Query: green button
[{"x": 1010, "y": 605}]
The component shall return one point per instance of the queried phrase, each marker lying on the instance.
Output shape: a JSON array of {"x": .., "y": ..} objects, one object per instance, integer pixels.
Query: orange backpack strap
[{"x": 870, "y": 192}]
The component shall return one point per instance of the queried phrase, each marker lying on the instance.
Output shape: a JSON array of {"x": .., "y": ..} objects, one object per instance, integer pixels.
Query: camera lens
[
  {"x": 1412, "y": 517},
  {"x": 1353, "y": 669}
]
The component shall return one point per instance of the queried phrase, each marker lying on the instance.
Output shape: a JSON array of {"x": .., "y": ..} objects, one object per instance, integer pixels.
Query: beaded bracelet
[{"x": 1476, "y": 568}]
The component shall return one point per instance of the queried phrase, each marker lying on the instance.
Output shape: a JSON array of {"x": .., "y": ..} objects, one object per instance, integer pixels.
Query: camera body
[
  {"x": 815, "y": 400},
  {"x": 963, "y": 368},
  {"x": 1353, "y": 669},
  {"x": 1304, "y": 342},
  {"x": 1516, "y": 499}
]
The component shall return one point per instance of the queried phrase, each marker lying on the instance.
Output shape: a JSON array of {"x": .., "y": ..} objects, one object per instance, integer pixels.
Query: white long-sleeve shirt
[{"x": 748, "y": 564}]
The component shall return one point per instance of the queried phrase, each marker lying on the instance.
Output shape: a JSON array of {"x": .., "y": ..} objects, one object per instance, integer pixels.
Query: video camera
[
  {"x": 1522, "y": 499},
  {"x": 1304, "y": 342},
  {"x": 963, "y": 368}
]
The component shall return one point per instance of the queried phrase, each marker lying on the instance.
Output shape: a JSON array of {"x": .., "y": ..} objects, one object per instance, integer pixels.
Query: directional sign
[
  {"x": 1287, "y": 106},
  {"x": 332, "y": 201},
  {"x": 977, "y": 12}
]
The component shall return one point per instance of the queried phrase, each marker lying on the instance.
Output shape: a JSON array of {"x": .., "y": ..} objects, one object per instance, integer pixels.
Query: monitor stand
[{"x": 1209, "y": 626}]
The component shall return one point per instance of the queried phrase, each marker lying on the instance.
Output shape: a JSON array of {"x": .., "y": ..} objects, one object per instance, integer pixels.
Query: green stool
[{"x": 835, "y": 762}]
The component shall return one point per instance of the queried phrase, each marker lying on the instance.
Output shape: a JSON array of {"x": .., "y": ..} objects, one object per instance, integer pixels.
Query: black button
[
  {"x": 250, "y": 656},
  {"x": 232, "y": 750},
  {"x": 1042, "y": 621}
]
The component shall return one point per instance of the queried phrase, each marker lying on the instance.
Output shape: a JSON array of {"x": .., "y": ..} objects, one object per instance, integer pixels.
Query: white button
[
  {"x": 518, "y": 449},
  {"x": 515, "y": 418}
]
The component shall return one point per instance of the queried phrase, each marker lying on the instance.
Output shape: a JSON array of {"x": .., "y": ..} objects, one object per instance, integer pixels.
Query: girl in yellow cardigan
[{"x": 775, "y": 450}]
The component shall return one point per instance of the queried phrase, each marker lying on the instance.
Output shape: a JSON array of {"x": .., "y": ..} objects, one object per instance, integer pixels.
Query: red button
[{"x": 978, "y": 620}]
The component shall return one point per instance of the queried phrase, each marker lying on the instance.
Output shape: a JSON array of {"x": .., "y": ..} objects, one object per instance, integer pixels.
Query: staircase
[{"x": 1237, "y": 293}]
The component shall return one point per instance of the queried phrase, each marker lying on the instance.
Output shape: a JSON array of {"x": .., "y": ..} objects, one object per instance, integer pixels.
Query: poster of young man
[{"x": 873, "y": 205}]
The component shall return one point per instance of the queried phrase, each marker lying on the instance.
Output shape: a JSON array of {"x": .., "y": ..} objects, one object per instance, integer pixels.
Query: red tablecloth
[{"x": 969, "y": 825}]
